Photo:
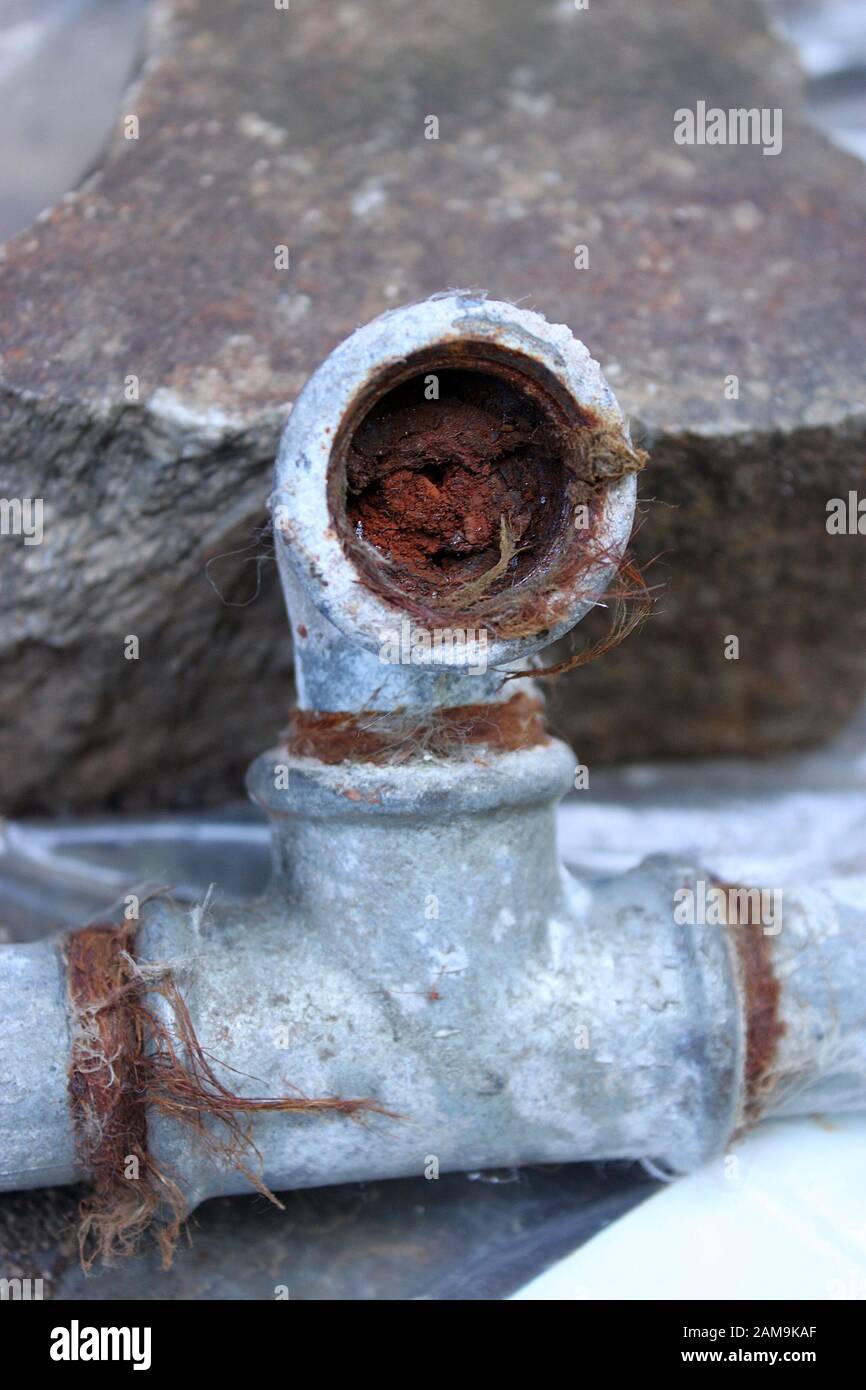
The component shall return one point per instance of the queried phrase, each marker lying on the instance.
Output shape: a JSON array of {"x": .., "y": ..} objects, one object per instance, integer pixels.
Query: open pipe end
[{"x": 457, "y": 463}]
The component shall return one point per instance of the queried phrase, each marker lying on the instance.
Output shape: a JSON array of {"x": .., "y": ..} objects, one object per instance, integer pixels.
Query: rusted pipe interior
[
  {"x": 429, "y": 480},
  {"x": 454, "y": 484}
]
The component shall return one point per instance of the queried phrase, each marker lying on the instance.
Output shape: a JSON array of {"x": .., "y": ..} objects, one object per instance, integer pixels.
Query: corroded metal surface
[
  {"x": 261, "y": 128},
  {"x": 421, "y": 955},
  {"x": 338, "y": 648},
  {"x": 769, "y": 822}
]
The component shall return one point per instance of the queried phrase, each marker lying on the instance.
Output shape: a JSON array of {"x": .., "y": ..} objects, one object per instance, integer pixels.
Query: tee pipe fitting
[{"x": 421, "y": 944}]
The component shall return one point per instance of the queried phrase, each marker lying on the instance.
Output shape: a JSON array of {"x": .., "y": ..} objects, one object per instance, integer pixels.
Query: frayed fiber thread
[{"x": 125, "y": 1061}]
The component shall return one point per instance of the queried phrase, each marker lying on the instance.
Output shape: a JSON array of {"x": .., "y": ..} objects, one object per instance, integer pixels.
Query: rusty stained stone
[{"x": 259, "y": 128}]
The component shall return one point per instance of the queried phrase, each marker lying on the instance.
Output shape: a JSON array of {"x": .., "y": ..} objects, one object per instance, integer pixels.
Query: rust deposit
[
  {"x": 476, "y": 494},
  {"x": 400, "y": 736},
  {"x": 430, "y": 481},
  {"x": 761, "y": 996}
]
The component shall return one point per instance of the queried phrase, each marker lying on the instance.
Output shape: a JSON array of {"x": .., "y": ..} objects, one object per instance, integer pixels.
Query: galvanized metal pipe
[
  {"x": 420, "y": 943},
  {"x": 337, "y": 620}
]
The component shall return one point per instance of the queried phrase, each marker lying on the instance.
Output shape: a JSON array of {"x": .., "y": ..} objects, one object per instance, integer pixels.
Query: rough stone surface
[{"x": 306, "y": 128}]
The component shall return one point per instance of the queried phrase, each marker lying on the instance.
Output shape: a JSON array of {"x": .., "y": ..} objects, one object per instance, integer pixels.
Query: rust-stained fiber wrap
[
  {"x": 761, "y": 997},
  {"x": 106, "y": 1099},
  {"x": 125, "y": 1059},
  {"x": 393, "y": 737}
]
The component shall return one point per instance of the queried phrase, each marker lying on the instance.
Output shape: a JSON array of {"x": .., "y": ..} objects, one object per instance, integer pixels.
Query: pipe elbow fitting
[{"x": 459, "y": 466}]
